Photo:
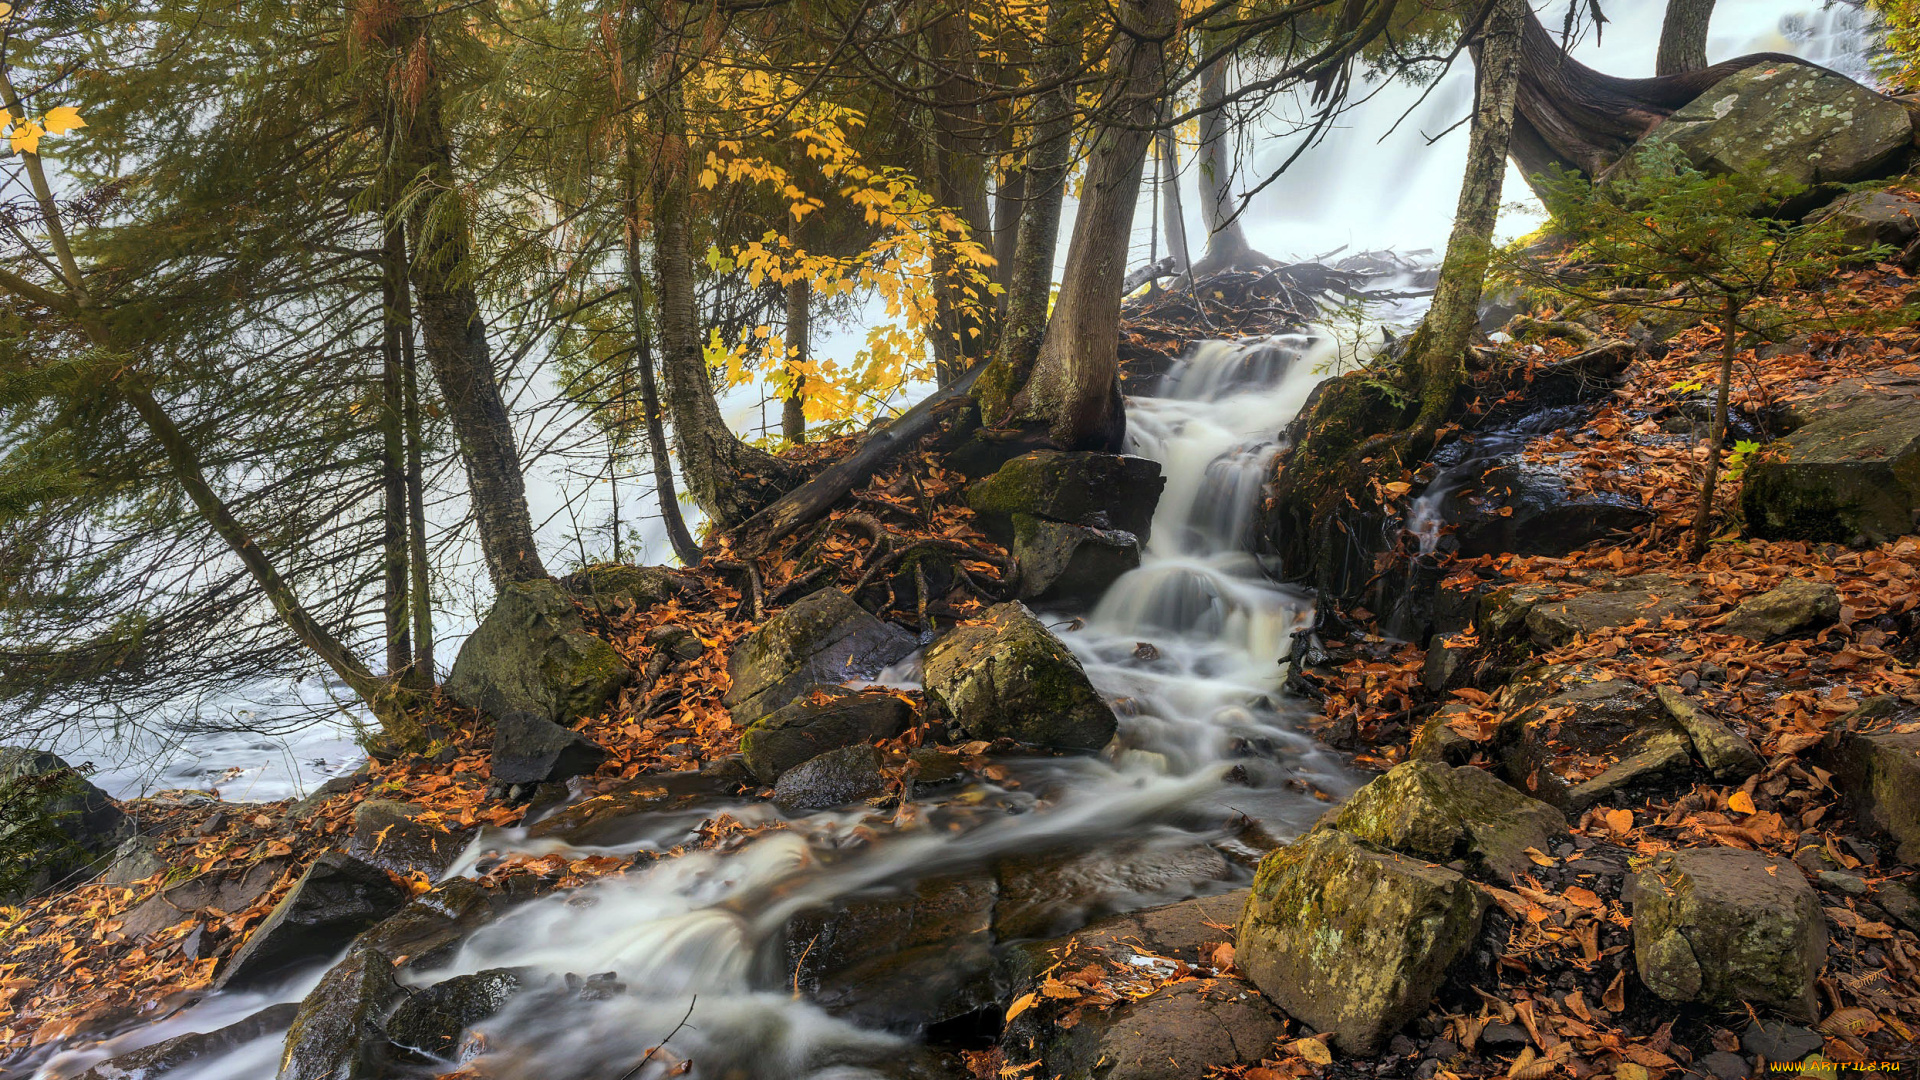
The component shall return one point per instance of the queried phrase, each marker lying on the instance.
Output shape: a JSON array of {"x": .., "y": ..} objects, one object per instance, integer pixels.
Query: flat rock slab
[
  {"x": 1796, "y": 608},
  {"x": 337, "y": 898},
  {"x": 1723, "y": 926},
  {"x": 822, "y": 638},
  {"x": 1850, "y": 475},
  {"x": 228, "y": 891},
  {"x": 1621, "y": 603}
]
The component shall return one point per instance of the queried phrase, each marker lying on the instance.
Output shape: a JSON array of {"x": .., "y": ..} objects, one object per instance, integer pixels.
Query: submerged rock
[
  {"x": 1796, "y": 608},
  {"x": 822, "y": 638},
  {"x": 826, "y": 718},
  {"x": 1352, "y": 938},
  {"x": 532, "y": 654},
  {"x": 1052, "y": 892},
  {"x": 1723, "y": 926},
  {"x": 840, "y": 777},
  {"x": 1101, "y": 491},
  {"x": 1439, "y": 813},
  {"x": 162, "y": 1058},
  {"x": 1007, "y": 676},
  {"x": 1069, "y": 564},
  {"x": 1850, "y": 475},
  {"x": 431, "y": 1021},
  {"x": 899, "y": 961},
  {"x": 337, "y": 898},
  {"x": 337, "y": 1033}
]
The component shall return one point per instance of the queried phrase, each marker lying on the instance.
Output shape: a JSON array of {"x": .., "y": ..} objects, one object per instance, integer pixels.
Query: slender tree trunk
[
  {"x": 1009, "y": 196},
  {"x": 960, "y": 184},
  {"x": 793, "y": 411},
  {"x": 1227, "y": 246},
  {"x": 684, "y": 547},
  {"x": 727, "y": 478},
  {"x": 1171, "y": 211},
  {"x": 1037, "y": 236},
  {"x": 393, "y": 483},
  {"x": 456, "y": 340},
  {"x": 420, "y": 673},
  {"x": 1703, "y": 511},
  {"x": 1440, "y": 347},
  {"x": 1683, "y": 37},
  {"x": 1075, "y": 388}
]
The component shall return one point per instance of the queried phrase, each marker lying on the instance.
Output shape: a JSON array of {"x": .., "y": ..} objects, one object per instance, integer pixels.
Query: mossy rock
[
  {"x": 1070, "y": 564},
  {"x": 533, "y": 654},
  {"x": 1851, "y": 475},
  {"x": 1007, "y": 676},
  {"x": 1727, "y": 927},
  {"x": 826, "y": 718},
  {"x": 823, "y": 638},
  {"x": 1353, "y": 938},
  {"x": 337, "y": 1033},
  {"x": 1102, "y": 491},
  {"x": 1436, "y": 812},
  {"x": 613, "y": 587}
]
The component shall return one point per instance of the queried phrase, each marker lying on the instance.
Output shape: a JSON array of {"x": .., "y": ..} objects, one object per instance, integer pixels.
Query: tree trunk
[
  {"x": 960, "y": 184},
  {"x": 393, "y": 478},
  {"x": 456, "y": 342},
  {"x": 1171, "y": 211},
  {"x": 1440, "y": 347},
  {"x": 1703, "y": 510},
  {"x": 1227, "y": 246},
  {"x": 1037, "y": 237},
  {"x": 1075, "y": 387},
  {"x": 420, "y": 673},
  {"x": 1683, "y": 37},
  {"x": 793, "y": 411},
  {"x": 727, "y": 478}
]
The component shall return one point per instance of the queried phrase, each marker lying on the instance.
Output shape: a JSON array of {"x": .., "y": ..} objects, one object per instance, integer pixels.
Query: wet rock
[
  {"x": 822, "y": 638},
  {"x": 1435, "y": 741},
  {"x": 392, "y": 836},
  {"x": 1797, "y": 608},
  {"x": 90, "y": 822},
  {"x": 1102, "y": 491},
  {"x": 1008, "y": 676},
  {"x": 1652, "y": 756},
  {"x": 153, "y": 1062},
  {"x": 1582, "y": 710},
  {"x": 1503, "y": 1035},
  {"x": 1784, "y": 123},
  {"x": 1852, "y": 474},
  {"x": 1622, "y": 602},
  {"x": 1181, "y": 1030},
  {"x": 1054, "y": 892},
  {"x": 1879, "y": 774},
  {"x": 337, "y": 1033},
  {"x": 840, "y": 777},
  {"x": 1873, "y": 217},
  {"x": 1713, "y": 925},
  {"x": 1352, "y": 938},
  {"x": 309, "y": 804},
  {"x": 899, "y": 961},
  {"x": 428, "y": 930},
  {"x": 337, "y": 898},
  {"x": 826, "y": 718},
  {"x": 529, "y": 750},
  {"x": 1777, "y": 1041},
  {"x": 533, "y": 655},
  {"x": 1069, "y": 564},
  {"x": 136, "y": 859},
  {"x": 1522, "y": 508},
  {"x": 1439, "y": 813},
  {"x": 1503, "y": 612},
  {"x": 1727, "y": 755},
  {"x": 1898, "y": 899},
  {"x": 613, "y": 588},
  {"x": 1446, "y": 662},
  {"x": 432, "y": 1020},
  {"x": 227, "y": 891}
]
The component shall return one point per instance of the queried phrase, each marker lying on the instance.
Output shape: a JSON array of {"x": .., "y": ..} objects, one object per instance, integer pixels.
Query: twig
[{"x": 635, "y": 1071}]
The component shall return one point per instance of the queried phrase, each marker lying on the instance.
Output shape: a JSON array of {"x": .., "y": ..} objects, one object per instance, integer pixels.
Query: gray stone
[
  {"x": 431, "y": 1021},
  {"x": 1439, "y": 813},
  {"x": 1879, "y": 774},
  {"x": 1873, "y": 218},
  {"x": 153, "y": 1062},
  {"x": 1352, "y": 938},
  {"x": 826, "y": 718},
  {"x": 529, "y": 749},
  {"x": 1620, "y": 603},
  {"x": 1580, "y": 709},
  {"x": 1007, "y": 676},
  {"x": 1788, "y": 123},
  {"x": 840, "y": 777},
  {"x": 1725, "y": 1066},
  {"x": 337, "y": 1034},
  {"x": 1435, "y": 741},
  {"x": 337, "y": 898},
  {"x": 91, "y": 823},
  {"x": 1778, "y": 1041},
  {"x": 917, "y": 957},
  {"x": 1527, "y": 508},
  {"x": 1053, "y": 892},
  {"x": 1654, "y": 755},
  {"x": 426, "y": 932},
  {"x": 613, "y": 588},
  {"x": 226, "y": 891},
  {"x": 1102, "y": 491},
  {"x": 1724, "y": 926},
  {"x": 532, "y": 654},
  {"x": 136, "y": 859},
  {"x": 1069, "y": 564},
  {"x": 1796, "y": 608},
  {"x": 1852, "y": 474},
  {"x": 822, "y": 638},
  {"x": 1727, "y": 755},
  {"x": 1838, "y": 881},
  {"x": 395, "y": 837},
  {"x": 1503, "y": 612}
]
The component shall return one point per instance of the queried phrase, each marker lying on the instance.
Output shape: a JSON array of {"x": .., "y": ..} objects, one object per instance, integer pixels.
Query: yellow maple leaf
[
  {"x": 25, "y": 137},
  {"x": 63, "y": 119},
  {"x": 1741, "y": 802}
]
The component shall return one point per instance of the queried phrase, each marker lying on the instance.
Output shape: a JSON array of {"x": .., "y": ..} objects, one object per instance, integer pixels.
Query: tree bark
[
  {"x": 1227, "y": 246},
  {"x": 1441, "y": 345},
  {"x": 1171, "y": 211},
  {"x": 393, "y": 478},
  {"x": 1683, "y": 37},
  {"x": 1703, "y": 510},
  {"x": 420, "y": 672},
  {"x": 456, "y": 341},
  {"x": 960, "y": 184},
  {"x": 793, "y": 408},
  {"x": 1075, "y": 388}
]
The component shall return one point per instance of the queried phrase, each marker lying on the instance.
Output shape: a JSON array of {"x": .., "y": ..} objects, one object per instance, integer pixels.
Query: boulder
[
  {"x": 1796, "y": 608},
  {"x": 1572, "y": 715},
  {"x": 1069, "y": 564},
  {"x": 822, "y": 638},
  {"x": 153, "y": 1062},
  {"x": 1101, "y": 491},
  {"x": 337, "y": 1033},
  {"x": 1007, "y": 676},
  {"x": 1727, "y": 755},
  {"x": 396, "y": 837},
  {"x": 827, "y": 718},
  {"x": 337, "y": 898},
  {"x": 1352, "y": 938},
  {"x": 533, "y": 655},
  {"x": 136, "y": 859},
  {"x": 1873, "y": 217},
  {"x": 1879, "y": 774},
  {"x": 1502, "y": 612},
  {"x": 431, "y": 1021},
  {"x": 88, "y": 824},
  {"x": 612, "y": 587},
  {"x": 1621, "y": 602},
  {"x": 1435, "y": 741},
  {"x": 426, "y": 932},
  {"x": 840, "y": 777},
  {"x": 1785, "y": 123},
  {"x": 1850, "y": 475},
  {"x": 1524, "y": 508},
  {"x": 529, "y": 750},
  {"x": 1054, "y": 892},
  {"x": 226, "y": 891},
  {"x": 1439, "y": 813},
  {"x": 899, "y": 960},
  {"x": 1723, "y": 926}
]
